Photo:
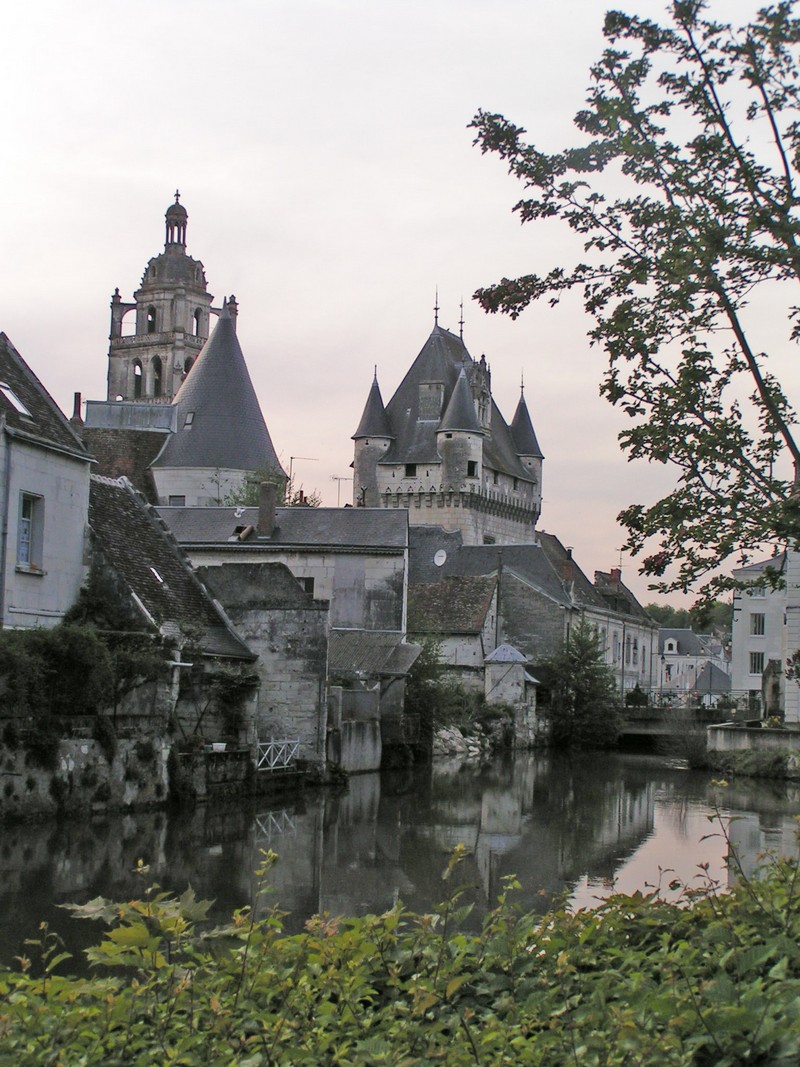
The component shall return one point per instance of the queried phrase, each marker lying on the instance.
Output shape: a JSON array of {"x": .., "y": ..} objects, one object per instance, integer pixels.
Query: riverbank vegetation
[{"x": 711, "y": 979}]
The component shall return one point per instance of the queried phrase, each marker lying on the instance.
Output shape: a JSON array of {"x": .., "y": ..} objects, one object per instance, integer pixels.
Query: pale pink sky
[{"x": 322, "y": 152}]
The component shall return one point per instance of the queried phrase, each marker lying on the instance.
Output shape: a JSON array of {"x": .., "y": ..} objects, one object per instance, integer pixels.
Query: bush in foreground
[{"x": 714, "y": 980}]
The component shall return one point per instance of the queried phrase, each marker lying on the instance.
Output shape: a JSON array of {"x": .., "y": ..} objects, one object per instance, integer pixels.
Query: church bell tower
[{"x": 169, "y": 321}]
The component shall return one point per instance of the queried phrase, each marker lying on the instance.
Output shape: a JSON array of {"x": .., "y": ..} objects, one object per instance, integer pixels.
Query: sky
[{"x": 323, "y": 154}]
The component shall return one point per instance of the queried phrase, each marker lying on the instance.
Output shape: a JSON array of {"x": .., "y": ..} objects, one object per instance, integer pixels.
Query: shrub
[{"x": 106, "y": 737}]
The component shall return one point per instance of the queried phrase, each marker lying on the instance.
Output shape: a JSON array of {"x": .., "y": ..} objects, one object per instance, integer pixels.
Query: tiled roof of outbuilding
[
  {"x": 146, "y": 558},
  {"x": 315, "y": 527},
  {"x": 225, "y": 428},
  {"x": 41, "y": 420},
  {"x": 455, "y": 605},
  {"x": 370, "y": 652}
]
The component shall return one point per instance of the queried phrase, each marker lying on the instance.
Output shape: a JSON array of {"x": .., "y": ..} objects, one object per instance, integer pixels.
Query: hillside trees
[{"x": 684, "y": 192}]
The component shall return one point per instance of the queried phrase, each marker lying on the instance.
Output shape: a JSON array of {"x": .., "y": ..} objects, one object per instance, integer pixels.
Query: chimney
[
  {"x": 76, "y": 419},
  {"x": 567, "y": 570},
  {"x": 266, "y": 509},
  {"x": 616, "y": 575}
]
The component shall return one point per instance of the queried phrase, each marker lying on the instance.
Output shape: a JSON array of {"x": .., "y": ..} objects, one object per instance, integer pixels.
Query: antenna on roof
[
  {"x": 436, "y": 308},
  {"x": 461, "y": 320}
]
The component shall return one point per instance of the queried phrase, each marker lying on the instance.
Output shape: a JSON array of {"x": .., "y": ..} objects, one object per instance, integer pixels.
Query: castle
[{"x": 442, "y": 449}]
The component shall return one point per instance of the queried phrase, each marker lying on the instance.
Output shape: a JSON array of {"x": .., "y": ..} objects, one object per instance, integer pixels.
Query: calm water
[{"x": 578, "y": 825}]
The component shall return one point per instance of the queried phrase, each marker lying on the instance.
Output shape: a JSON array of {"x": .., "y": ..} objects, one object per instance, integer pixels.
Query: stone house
[
  {"x": 44, "y": 497},
  {"x": 692, "y": 664},
  {"x": 758, "y": 628}
]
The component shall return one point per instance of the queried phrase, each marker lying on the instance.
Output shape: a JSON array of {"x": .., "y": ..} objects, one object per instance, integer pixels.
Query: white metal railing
[
  {"x": 277, "y": 754},
  {"x": 271, "y": 824}
]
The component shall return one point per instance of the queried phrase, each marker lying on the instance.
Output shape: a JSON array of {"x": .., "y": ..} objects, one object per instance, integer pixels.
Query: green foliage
[
  {"x": 713, "y": 979},
  {"x": 687, "y": 738},
  {"x": 62, "y": 671},
  {"x": 682, "y": 189},
  {"x": 754, "y": 764},
  {"x": 704, "y": 616},
  {"x": 579, "y": 694},
  {"x": 423, "y": 685},
  {"x": 106, "y": 737}
]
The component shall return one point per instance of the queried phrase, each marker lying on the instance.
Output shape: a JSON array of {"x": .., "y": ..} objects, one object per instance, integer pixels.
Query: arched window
[
  {"x": 151, "y": 320},
  {"x": 188, "y": 363},
  {"x": 197, "y": 319},
  {"x": 137, "y": 379},
  {"x": 157, "y": 374}
]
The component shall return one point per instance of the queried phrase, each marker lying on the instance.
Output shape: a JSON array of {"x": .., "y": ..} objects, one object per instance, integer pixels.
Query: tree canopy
[{"x": 683, "y": 190}]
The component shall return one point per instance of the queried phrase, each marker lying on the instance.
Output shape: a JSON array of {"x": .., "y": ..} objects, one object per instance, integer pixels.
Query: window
[
  {"x": 757, "y": 624},
  {"x": 177, "y": 501},
  {"x": 156, "y": 365},
  {"x": 307, "y": 585},
  {"x": 472, "y": 468},
  {"x": 188, "y": 364},
  {"x": 137, "y": 379},
  {"x": 189, "y": 418},
  {"x": 516, "y": 484},
  {"x": 151, "y": 320},
  {"x": 495, "y": 477},
  {"x": 756, "y": 662},
  {"x": 411, "y": 470},
  {"x": 30, "y": 529},
  {"x": 197, "y": 321},
  {"x": 759, "y": 591}
]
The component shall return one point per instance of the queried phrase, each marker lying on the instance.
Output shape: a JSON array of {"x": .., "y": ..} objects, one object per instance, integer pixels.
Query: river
[{"x": 575, "y": 826}]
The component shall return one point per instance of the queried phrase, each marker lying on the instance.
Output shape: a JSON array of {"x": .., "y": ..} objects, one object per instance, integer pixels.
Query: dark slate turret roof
[
  {"x": 460, "y": 411},
  {"x": 373, "y": 422},
  {"x": 442, "y": 358},
  {"x": 227, "y": 429},
  {"x": 35, "y": 416},
  {"x": 522, "y": 431}
]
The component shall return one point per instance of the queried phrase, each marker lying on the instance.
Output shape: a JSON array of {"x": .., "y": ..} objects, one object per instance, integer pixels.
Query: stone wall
[
  {"x": 728, "y": 738},
  {"x": 83, "y": 779},
  {"x": 529, "y": 620}
]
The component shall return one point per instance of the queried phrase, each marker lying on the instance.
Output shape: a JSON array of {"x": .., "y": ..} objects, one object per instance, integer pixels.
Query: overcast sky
[{"x": 322, "y": 151}]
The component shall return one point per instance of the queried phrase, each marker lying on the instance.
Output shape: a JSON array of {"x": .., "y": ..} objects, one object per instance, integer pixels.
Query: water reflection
[{"x": 563, "y": 825}]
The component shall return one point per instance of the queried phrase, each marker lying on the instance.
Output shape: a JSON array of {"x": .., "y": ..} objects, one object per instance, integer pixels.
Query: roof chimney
[
  {"x": 266, "y": 509},
  {"x": 76, "y": 419},
  {"x": 616, "y": 575}
]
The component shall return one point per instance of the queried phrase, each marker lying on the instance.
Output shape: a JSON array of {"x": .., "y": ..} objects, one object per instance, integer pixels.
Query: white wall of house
[
  {"x": 630, "y": 647},
  {"x": 758, "y": 632},
  {"x": 195, "y": 487},
  {"x": 44, "y": 498}
]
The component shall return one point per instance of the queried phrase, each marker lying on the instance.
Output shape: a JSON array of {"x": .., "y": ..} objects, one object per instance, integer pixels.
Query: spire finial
[
  {"x": 522, "y": 383},
  {"x": 177, "y": 196},
  {"x": 436, "y": 308},
  {"x": 376, "y": 372},
  {"x": 461, "y": 321}
]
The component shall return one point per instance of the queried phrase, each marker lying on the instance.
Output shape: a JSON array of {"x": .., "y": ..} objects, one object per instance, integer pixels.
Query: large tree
[{"x": 684, "y": 192}]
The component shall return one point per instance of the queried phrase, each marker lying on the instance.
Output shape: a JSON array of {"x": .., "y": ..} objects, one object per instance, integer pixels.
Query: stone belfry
[{"x": 172, "y": 309}]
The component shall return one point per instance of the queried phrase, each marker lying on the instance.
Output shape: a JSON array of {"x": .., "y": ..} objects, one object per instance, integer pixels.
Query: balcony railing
[{"x": 277, "y": 755}]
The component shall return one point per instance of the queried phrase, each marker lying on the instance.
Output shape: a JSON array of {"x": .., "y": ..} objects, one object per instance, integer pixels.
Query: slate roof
[
  {"x": 373, "y": 528},
  {"x": 226, "y": 428},
  {"x": 752, "y": 571},
  {"x": 712, "y": 679},
  {"x": 583, "y": 591},
  {"x": 455, "y": 605},
  {"x": 688, "y": 643},
  {"x": 441, "y": 359},
  {"x": 43, "y": 423},
  {"x": 506, "y": 653},
  {"x": 529, "y": 563},
  {"x": 373, "y": 421},
  {"x": 522, "y": 431},
  {"x": 145, "y": 556},
  {"x": 460, "y": 411},
  {"x": 370, "y": 652},
  {"x": 618, "y": 597}
]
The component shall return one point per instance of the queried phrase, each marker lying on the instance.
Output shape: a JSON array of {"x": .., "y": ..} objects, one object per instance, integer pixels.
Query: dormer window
[
  {"x": 189, "y": 418},
  {"x": 671, "y": 645}
]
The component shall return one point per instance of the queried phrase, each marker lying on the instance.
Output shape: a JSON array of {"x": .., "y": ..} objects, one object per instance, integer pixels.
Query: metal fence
[{"x": 277, "y": 755}]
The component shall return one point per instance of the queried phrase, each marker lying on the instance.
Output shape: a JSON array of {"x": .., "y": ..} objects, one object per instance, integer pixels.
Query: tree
[
  {"x": 246, "y": 495},
  {"x": 684, "y": 192},
  {"x": 704, "y": 616},
  {"x": 583, "y": 705}
]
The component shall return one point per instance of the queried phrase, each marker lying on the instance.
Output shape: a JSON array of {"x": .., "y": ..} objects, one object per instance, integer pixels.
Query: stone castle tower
[
  {"x": 172, "y": 308},
  {"x": 442, "y": 449}
]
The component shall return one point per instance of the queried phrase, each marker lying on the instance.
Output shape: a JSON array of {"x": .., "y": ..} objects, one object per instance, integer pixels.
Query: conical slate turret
[
  {"x": 374, "y": 422},
  {"x": 460, "y": 411},
  {"x": 522, "y": 431},
  {"x": 219, "y": 422}
]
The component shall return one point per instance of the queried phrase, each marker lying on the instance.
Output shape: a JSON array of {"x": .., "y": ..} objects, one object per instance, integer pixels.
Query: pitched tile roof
[
  {"x": 145, "y": 556},
  {"x": 373, "y": 528},
  {"x": 28, "y": 409},
  {"x": 618, "y": 597},
  {"x": 219, "y": 423},
  {"x": 455, "y": 605},
  {"x": 370, "y": 652}
]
